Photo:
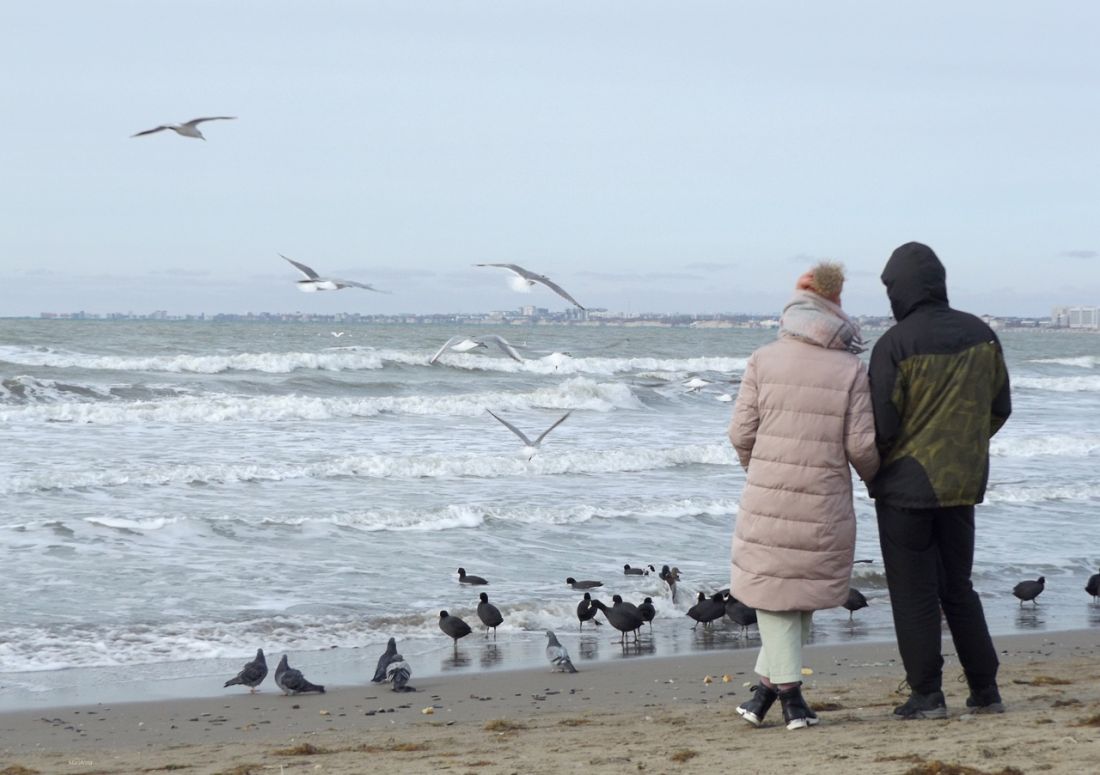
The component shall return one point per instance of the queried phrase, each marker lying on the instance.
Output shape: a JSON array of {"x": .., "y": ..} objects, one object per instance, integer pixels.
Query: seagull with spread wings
[
  {"x": 528, "y": 278},
  {"x": 530, "y": 447},
  {"x": 314, "y": 282},
  {"x": 187, "y": 128}
]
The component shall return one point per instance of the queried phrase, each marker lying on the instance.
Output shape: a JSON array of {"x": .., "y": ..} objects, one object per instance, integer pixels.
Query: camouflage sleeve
[{"x": 1002, "y": 399}]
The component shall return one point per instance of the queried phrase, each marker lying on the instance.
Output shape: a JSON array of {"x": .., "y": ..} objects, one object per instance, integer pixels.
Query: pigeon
[
  {"x": 292, "y": 681},
  {"x": 489, "y": 615},
  {"x": 628, "y": 571},
  {"x": 647, "y": 611},
  {"x": 314, "y": 282},
  {"x": 398, "y": 673},
  {"x": 1093, "y": 587},
  {"x": 465, "y": 344},
  {"x": 252, "y": 674},
  {"x": 383, "y": 661},
  {"x": 530, "y": 447},
  {"x": 1029, "y": 590},
  {"x": 583, "y": 584},
  {"x": 453, "y": 626},
  {"x": 527, "y": 278},
  {"x": 557, "y": 655},
  {"x": 855, "y": 601},
  {"x": 187, "y": 128},
  {"x": 586, "y": 611},
  {"x": 707, "y": 610},
  {"x": 623, "y": 618},
  {"x": 466, "y": 578}
]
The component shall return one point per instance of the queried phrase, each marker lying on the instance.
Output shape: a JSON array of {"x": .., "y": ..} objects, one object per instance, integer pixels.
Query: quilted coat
[{"x": 803, "y": 414}]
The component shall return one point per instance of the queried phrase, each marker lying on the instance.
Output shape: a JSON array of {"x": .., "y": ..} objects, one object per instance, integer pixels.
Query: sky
[{"x": 647, "y": 156}]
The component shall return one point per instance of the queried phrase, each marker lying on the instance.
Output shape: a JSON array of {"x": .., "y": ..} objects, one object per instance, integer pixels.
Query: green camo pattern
[{"x": 946, "y": 401}]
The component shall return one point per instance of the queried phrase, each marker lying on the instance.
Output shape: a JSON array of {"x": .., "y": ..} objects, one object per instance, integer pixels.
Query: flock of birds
[{"x": 627, "y": 618}]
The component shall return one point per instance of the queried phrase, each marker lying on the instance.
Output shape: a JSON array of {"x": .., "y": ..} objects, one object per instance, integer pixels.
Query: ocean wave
[
  {"x": 1035, "y": 446},
  {"x": 25, "y": 390},
  {"x": 382, "y": 467},
  {"x": 358, "y": 358},
  {"x": 576, "y": 393},
  {"x": 1080, "y": 361},
  {"x": 1045, "y": 492},
  {"x": 1084, "y": 384}
]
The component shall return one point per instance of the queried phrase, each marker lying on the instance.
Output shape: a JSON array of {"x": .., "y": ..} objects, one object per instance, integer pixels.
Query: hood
[
  {"x": 814, "y": 319},
  {"x": 914, "y": 276}
]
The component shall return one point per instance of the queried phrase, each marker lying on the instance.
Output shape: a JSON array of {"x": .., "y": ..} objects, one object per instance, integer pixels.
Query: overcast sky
[{"x": 675, "y": 156}]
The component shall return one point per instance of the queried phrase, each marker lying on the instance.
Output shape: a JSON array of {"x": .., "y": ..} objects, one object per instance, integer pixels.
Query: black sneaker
[
  {"x": 987, "y": 700},
  {"x": 796, "y": 712},
  {"x": 921, "y": 706},
  {"x": 755, "y": 709}
]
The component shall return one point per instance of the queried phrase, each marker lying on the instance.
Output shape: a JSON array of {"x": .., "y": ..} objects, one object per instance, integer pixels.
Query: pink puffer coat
[{"x": 802, "y": 414}]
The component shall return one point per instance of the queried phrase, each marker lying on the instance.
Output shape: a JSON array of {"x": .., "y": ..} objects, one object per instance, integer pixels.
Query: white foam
[
  {"x": 1087, "y": 384},
  {"x": 576, "y": 393},
  {"x": 1081, "y": 361},
  {"x": 382, "y": 467},
  {"x": 1039, "y": 493},
  {"x": 1034, "y": 446}
]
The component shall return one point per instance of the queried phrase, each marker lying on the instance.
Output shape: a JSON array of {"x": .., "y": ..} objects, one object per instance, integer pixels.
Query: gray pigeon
[
  {"x": 398, "y": 673},
  {"x": 557, "y": 655},
  {"x": 383, "y": 661},
  {"x": 292, "y": 681},
  {"x": 252, "y": 674}
]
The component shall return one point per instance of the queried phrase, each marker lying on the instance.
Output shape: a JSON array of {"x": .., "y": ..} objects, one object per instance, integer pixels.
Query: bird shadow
[
  {"x": 455, "y": 660},
  {"x": 589, "y": 647},
  {"x": 491, "y": 655},
  {"x": 1030, "y": 618}
]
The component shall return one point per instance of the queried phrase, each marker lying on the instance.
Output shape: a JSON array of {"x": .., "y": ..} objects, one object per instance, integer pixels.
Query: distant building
[{"x": 1075, "y": 317}]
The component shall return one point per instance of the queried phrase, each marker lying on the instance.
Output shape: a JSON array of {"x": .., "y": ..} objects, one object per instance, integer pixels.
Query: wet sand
[{"x": 636, "y": 715}]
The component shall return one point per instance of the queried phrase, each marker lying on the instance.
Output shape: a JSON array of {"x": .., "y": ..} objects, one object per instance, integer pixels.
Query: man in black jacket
[{"x": 940, "y": 390}]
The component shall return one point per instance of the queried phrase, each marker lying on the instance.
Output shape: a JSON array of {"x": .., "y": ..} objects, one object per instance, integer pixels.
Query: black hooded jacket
[{"x": 939, "y": 387}]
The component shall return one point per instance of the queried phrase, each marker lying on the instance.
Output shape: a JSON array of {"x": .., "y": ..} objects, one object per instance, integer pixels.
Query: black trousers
[{"x": 929, "y": 555}]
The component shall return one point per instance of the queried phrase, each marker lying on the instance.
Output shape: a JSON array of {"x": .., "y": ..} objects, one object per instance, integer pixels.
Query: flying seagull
[
  {"x": 187, "y": 128},
  {"x": 465, "y": 344},
  {"x": 530, "y": 278},
  {"x": 315, "y": 282},
  {"x": 530, "y": 446}
]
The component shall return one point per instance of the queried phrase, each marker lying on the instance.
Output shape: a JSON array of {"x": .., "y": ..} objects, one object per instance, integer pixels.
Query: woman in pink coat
[{"x": 803, "y": 414}]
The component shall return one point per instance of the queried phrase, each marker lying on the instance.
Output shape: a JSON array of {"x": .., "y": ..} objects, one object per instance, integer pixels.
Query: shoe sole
[
  {"x": 750, "y": 717},
  {"x": 934, "y": 713},
  {"x": 802, "y": 723}
]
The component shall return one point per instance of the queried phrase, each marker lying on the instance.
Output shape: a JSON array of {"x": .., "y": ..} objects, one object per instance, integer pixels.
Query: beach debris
[
  {"x": 252, "y": 674},
  {"x": 727, "y": 678},
  {"x": 707, "y": 679},
  {"x": 807, "y": 671},
  {"x": 324, "y": 713},
  {"x": 428, "y": 711}
]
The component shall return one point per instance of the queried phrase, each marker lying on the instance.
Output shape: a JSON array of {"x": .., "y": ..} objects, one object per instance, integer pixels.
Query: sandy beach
[{"x": 637, "y": 715}]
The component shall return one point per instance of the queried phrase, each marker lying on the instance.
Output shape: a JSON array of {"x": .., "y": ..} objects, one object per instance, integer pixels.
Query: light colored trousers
[{"x": 782, "y": 634}]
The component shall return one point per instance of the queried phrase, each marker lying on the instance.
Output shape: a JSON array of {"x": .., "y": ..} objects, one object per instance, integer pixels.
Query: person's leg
[
  {"x": 911, "y": 560},
  {"x": 954, "y": 536},
  {"x": 773, "y": 641},
  {"x": 782, "y": 632}
]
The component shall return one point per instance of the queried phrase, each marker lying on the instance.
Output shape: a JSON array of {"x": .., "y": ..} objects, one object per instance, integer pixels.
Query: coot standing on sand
[
  {"x": 453, "y": 626},
  {"x": 647, "y": 611},
  {"x": 855, "y": 601},
  {"x": 623, "y": 618},
  {"x": 1093, "y": 587}
]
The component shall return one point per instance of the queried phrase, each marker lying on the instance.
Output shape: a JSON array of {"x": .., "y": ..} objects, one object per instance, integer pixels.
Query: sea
[{"x": 176, "y": 495}]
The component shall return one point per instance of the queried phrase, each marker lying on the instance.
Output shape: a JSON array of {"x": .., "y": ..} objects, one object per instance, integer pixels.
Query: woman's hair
[{"x": 828, "y": 279}]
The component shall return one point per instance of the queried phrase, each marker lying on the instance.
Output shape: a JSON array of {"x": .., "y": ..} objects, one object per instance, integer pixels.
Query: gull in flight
[
  {"x": 187, "y": 128},
  {"x": 530, "y": 447},
  {"x": 526, "y": 279},
  {"x": 465, "y": 344},
  {"x": 315, "y": 282}
]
